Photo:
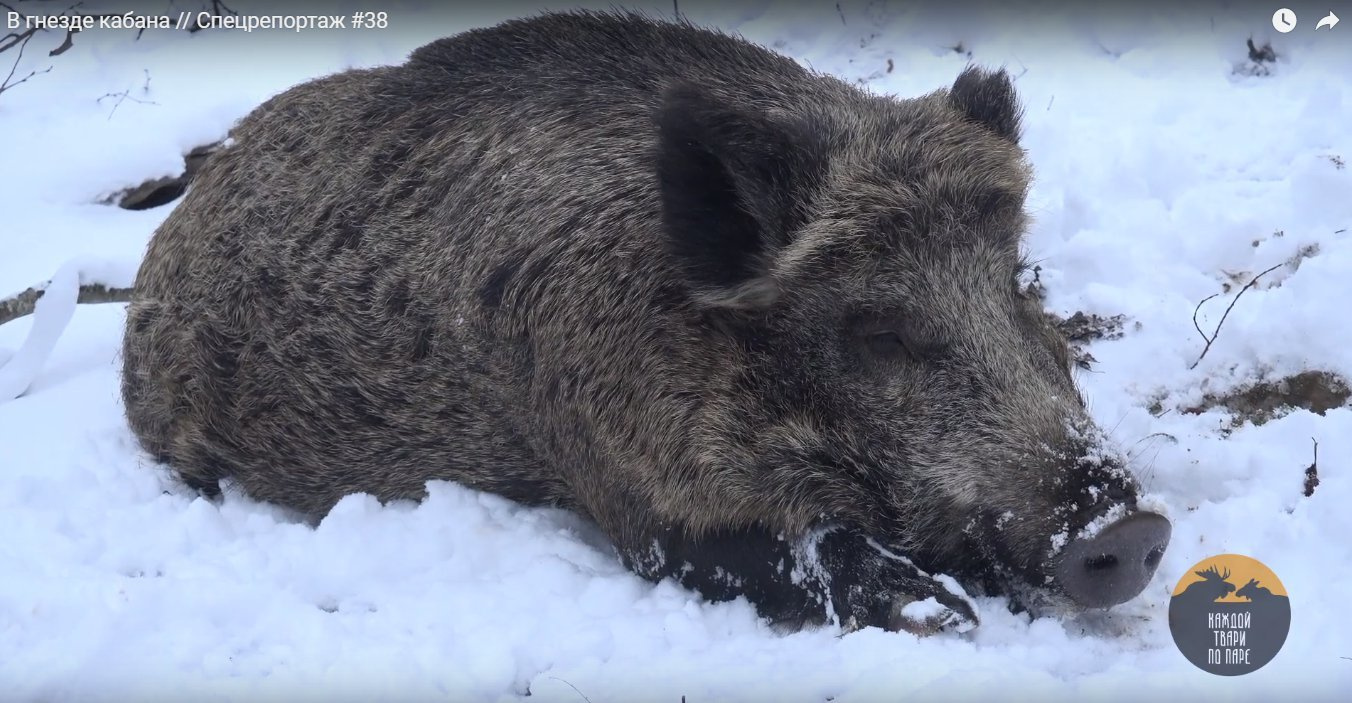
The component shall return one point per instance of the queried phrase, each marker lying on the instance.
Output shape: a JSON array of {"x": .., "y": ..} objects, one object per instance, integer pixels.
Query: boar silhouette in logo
[
  {"x": 1268, "y": 611},
  {"x": 1253, "y": 592}
]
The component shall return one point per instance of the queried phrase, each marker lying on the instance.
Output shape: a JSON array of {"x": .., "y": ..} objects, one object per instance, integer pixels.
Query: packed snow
[
  {"x": 1170, "y": 166},
  {"x": 52, "y": 312}
]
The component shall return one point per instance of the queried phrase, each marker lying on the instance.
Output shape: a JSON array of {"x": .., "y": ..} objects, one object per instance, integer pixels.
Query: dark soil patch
[
  {"x": 1080, "y": 329},
  {"x": 1316, "y": 391}
]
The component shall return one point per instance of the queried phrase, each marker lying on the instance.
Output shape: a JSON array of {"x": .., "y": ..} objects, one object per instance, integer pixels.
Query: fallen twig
[
  {"x": 22, "y": 41},
  {"x": 1312, "y": 471},
  {"x": 24, "y": 303},
  {"x": 1217, "y": 333},
  {"x": 584, "y": 696},
  {"x": 125, "y": 95},
  {"x": 1151, "y": 436},
  {"x": 1197, "y": 325}
]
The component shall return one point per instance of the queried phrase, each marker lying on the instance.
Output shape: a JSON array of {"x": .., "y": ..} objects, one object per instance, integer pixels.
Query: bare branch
[
  {"x": 1198, "y": 309},
  {"x": 23, "y": 304},
  {"x": 23, "y": 80},
  {"x": 126, "y": 95},
  {"x": 584, "y": 696},
  {"x": 9, "y": 82},
  {"x": 66, "y": 44},
  {"x": 1217, "y": 333},
  {"x": 1166, "y": 435},
  {"x": 1312, "y": 471},
  {"x": 14, "y": 39}
]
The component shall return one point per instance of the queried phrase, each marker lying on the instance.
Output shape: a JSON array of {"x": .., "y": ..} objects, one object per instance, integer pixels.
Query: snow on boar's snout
[{"x": 762, "y": 327}]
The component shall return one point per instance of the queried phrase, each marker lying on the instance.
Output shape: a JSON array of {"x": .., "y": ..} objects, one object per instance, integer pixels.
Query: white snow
[
  {"x": 1096, "y": 525},
  {"x": 1167, "y": 169},
  {"x": 51, "y": 313},
  {"x": 922, "y": 610}
]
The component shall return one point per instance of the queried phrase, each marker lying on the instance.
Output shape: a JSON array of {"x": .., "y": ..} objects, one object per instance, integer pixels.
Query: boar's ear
[
  {"x": 735, "y": 185},
  {"x": 988, "y": 97}
]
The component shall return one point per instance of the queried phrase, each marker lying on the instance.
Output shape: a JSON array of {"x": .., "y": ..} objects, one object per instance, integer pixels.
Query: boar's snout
[{"x": 1115, "y": 564}]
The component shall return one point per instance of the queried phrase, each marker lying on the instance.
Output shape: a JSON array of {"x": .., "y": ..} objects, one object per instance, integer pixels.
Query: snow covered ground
[{"x": 1169, "y": 167}]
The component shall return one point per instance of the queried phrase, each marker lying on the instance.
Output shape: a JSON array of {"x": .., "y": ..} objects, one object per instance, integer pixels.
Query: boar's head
[{"x": 863, "y": 255}]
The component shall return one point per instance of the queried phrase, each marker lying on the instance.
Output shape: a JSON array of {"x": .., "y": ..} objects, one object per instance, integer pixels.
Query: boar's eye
[{"x": 889, "y": 345}]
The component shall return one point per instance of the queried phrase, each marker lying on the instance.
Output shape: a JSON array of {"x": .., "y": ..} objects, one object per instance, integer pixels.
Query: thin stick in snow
[
  {"x": 1217, "y": 333},
  {"x": 584, "y": 696},
  {"x": 1312, "y": 471}
]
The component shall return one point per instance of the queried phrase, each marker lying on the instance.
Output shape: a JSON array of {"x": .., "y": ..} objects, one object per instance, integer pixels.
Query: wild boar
[{"x": 763, "y": 327}]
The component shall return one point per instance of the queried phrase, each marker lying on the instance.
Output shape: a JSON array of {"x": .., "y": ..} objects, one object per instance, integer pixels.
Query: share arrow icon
[{"x": 1329, "y": 21}]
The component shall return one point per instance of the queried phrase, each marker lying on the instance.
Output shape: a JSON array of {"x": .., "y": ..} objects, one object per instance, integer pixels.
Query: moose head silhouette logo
[
  {"x": 1227, "y": 629},
  {"x": 1213, "y": 586}
]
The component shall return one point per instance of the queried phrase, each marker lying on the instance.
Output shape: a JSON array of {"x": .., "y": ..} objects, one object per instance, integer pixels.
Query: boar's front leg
[{"x": 831, "y": 575}]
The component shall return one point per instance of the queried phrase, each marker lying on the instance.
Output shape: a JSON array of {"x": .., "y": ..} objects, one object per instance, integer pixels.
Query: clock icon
[{"x": 1284, "y": 20}]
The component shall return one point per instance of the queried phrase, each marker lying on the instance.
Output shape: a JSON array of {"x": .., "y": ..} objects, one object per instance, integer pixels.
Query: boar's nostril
[{"x": 1114, "y": 565}]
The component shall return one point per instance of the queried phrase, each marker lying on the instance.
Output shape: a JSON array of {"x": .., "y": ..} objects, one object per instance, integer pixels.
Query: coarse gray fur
[{"x": 651, "y": 273}]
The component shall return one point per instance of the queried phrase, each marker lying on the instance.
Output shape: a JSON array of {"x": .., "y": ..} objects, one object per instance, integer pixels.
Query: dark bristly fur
[{"x": 761, "y": 326}]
